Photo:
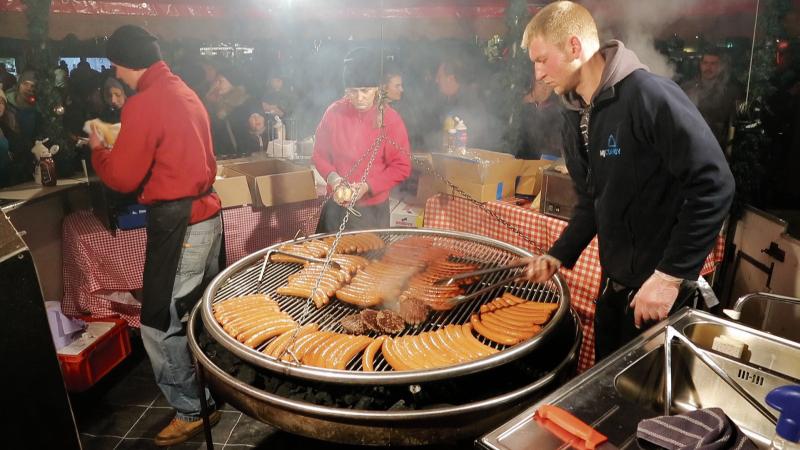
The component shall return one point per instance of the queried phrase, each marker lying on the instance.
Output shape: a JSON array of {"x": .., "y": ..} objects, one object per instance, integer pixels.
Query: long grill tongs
[{"x": 479, "y": 273}]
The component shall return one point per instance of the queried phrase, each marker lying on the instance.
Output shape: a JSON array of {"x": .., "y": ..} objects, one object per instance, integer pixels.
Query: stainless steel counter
[{"x": 629, "y": 386}]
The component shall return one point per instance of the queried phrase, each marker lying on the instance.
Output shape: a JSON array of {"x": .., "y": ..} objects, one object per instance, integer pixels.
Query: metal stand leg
[{"x": 201, "y": 381}]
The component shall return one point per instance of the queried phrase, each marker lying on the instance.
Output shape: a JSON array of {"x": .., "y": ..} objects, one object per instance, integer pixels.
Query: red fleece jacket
[
  {"x": 164, "y": 145},
  {"x": 345, "y": 134}
]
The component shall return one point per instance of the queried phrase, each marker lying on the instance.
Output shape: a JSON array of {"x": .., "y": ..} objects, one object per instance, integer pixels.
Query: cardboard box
[
  {"x": 478, "y": 166},
  {"x": 483, "y": 192},
  {"x": 276, "y": 182},
  {"x": 407, "y": 216},
  {"x": 490, "y": 176},
  {"x": 232, "y": 188},
  {"x": 530, "y": 176}
]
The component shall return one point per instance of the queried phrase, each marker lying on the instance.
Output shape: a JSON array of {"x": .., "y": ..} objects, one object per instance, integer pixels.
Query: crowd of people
[
  {"x": 248, "y": 105},
  {"x": 651, "y": 177}
]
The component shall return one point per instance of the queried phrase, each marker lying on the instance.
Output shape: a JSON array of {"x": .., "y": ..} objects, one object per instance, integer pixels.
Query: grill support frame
[{"x": 377, "y": 428}]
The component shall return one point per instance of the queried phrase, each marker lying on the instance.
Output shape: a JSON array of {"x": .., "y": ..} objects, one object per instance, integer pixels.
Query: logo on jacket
[{"x": 612, "y": 149}]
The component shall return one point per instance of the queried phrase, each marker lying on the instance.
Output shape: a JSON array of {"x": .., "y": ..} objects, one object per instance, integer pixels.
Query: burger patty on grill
[
  {"x": 370, "y": 318},
  {"x": 353, "y": 324},
  {"x": 390, "y": 322},
  {"x": 413, "y": 310}
]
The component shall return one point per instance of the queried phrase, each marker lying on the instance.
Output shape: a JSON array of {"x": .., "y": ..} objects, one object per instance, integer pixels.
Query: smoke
[{"x": 637, "y": 23}]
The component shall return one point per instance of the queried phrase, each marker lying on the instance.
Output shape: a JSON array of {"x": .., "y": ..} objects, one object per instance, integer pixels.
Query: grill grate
[{"x": 245, "y": 282}]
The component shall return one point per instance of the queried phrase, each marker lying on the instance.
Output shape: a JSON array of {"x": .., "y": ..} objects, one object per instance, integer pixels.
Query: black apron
[
  {"x": 166, "y": 230},
  {"x": 331, "y": 216}
]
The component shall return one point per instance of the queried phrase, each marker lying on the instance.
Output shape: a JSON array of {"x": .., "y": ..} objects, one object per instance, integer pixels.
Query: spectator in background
[
  {"x": 83, "y": 78},
  {"x": 458, "y": 98},
  {"x": 6, "y": 78},
  {"x": 22, "y": 102},
  {"x": 715, "y": 93},
  {"x": 278, "y": 99},
  {"x": 114, "y": 98},
  {"x": 392, "y": 83},
  {"x": 9, "y": 146},
  {"x": 257, "y": 137},
  {"x": 229, "y": 112},
  {"x": 542, "y": 123}
]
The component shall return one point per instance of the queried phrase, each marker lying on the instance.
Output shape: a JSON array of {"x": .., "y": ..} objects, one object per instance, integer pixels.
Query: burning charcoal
[
  {"x": 399, "y": 405},
  {"x": 370, "y": 318},
  {"x": 353, "y": 324},
  {"x": 413, "y": 311},
  {"x": 390, "y": 322}
]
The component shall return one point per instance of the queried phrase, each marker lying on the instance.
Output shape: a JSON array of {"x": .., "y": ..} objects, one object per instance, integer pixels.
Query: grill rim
[
  {"x": 254, "y": 357},
  {"x": 329, "y": 412}
]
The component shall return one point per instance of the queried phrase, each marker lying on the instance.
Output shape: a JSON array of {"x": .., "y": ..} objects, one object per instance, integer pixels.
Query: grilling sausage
[
  {"x": 391, "y": 357},
  {"x": 344, "y": 354},
  {"x": 279, "y": 344},
  {"x": 225, "y": 318},
  {"x": 491, "y": 334},
  {"x": 319, "y": 298},
  {"x": 249, "y": 328},
  {"x": 265, "y": 333},
  {"x": 368, "y": 359},
  {"x": 235, "y": 327}
]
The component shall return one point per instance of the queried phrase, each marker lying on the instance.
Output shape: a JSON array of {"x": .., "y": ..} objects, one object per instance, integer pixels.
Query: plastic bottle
[
  {"x": 461, "y": 137},
  {"x": 449, "y": 123},
  {"x": 786, "y": 399},
  {"x": 451, "y": 140},
  {"x": 47, "y": 167}
]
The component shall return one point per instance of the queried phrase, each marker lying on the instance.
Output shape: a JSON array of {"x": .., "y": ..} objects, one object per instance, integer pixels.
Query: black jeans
[
  {"x": 376, "y": 216},
  {"x": 613, "y": 318}
]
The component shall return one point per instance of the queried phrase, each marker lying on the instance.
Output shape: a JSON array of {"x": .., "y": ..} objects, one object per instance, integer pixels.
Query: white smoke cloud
[{"x": 637, "y": 23}]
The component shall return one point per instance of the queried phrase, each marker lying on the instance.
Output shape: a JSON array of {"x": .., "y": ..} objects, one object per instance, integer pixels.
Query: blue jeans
[{"x": 168, "y": 351}]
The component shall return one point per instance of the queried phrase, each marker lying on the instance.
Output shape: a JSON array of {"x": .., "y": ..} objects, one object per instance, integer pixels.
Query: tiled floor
[{"x": 126, "y": 409}]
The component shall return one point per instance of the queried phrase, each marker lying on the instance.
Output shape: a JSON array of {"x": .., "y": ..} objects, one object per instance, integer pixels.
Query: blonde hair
[{"x": 559, "y": 21}]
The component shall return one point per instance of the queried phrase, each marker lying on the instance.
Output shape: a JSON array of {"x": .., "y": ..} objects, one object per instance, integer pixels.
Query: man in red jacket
[
  {"x": 343, "y": 147},
  {"x": 164, "y": 152}
]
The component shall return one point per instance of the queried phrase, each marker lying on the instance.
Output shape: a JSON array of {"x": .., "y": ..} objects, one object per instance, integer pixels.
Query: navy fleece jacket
[{"x": 653, "y": 183}]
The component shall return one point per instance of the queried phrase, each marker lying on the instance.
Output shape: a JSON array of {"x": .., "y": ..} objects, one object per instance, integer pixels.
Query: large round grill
[
  {"x": 460, "y": 400},
  {"x": 243, "y": 278}
]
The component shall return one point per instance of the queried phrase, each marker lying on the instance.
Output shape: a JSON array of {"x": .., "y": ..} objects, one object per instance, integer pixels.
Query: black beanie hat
[
  {"x": 133, "y": 47},
  {"x": 361, "y": 68}
]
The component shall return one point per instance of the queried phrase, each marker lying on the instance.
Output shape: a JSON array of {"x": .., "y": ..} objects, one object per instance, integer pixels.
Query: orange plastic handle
[{"x": 589, "y": 437}]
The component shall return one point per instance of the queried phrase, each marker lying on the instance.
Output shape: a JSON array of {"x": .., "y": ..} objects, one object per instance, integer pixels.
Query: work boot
[{"x": 180, "y": 430}]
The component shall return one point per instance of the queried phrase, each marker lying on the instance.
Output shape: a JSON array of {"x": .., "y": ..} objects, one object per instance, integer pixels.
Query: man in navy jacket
[{"x": 652, "y": 181}]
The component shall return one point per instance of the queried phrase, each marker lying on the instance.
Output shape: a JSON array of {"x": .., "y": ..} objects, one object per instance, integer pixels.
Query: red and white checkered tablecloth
[
  {"x": 453, "y": 213},
  {"x": 98, "y": 262}
]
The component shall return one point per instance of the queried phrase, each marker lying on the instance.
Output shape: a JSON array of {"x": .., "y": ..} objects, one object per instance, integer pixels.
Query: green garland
[
  {"x": 49, "y": 101},
  {"x": 516, "y": 72},
  {"x": 751, "y": 147}
]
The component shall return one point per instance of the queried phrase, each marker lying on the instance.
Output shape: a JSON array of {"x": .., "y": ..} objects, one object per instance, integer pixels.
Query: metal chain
[
  {"x": 329, "y": 257},
  {"x": 481, "y": 205},
  {"x": 372, "y": 152}
]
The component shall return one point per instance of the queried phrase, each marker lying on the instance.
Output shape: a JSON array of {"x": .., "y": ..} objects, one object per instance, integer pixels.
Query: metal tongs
[
  {"x": 477, "y": 273},
  {"x": 333, "y": 264},
  {"x": 459, "y": 299}
]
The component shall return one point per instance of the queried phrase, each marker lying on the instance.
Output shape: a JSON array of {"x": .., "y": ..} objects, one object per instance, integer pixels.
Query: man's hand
[
  {"x": 95, "y": 143},
  {"x": 541, "y": 268},
  {"x": 655, "y": 298}
]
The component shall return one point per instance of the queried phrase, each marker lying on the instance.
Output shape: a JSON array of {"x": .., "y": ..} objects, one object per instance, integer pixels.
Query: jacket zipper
[{"x": 585, "y": 121}]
